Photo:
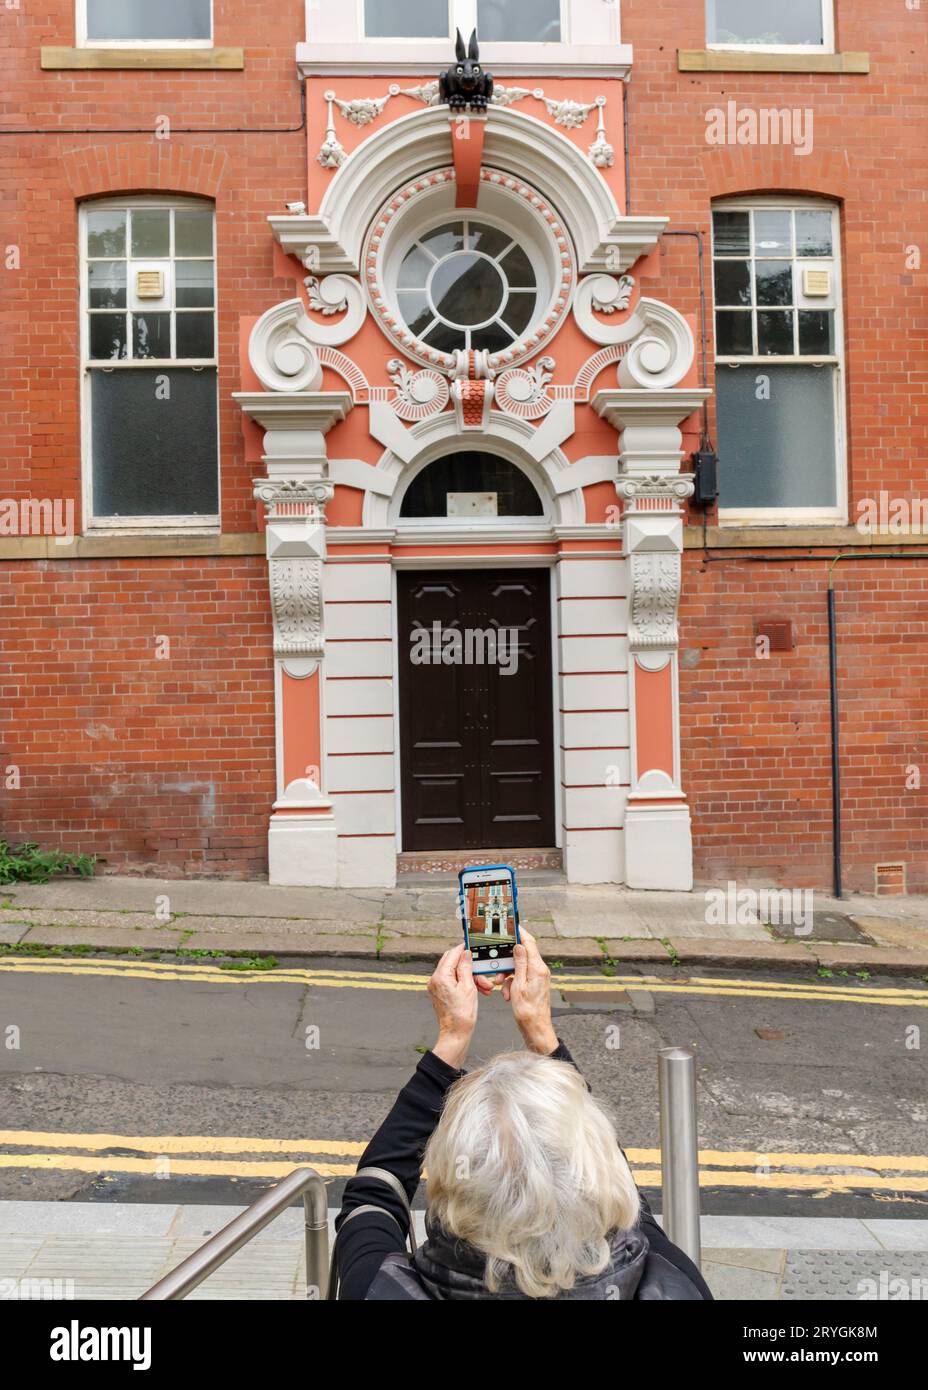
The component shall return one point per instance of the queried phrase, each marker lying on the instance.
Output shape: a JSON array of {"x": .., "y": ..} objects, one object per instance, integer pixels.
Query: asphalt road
[{"x": 806, "y": 1092}]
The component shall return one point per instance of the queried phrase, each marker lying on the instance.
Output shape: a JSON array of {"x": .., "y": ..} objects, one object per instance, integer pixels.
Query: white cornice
[
  {"x": 504, "y": 60},
  {"x": 294, "y": 410}
]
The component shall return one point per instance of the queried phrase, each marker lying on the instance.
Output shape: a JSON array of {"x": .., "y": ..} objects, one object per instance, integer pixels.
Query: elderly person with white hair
[{"x": 529, "y": 1194}]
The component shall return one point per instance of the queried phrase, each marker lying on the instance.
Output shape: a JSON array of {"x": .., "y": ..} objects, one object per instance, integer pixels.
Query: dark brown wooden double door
[{"x": 476, "y": 743}]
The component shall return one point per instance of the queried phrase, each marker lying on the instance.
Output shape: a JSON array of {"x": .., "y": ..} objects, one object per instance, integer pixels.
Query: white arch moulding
[
  {"x": 560, "y": 490},
  {"x": 331, "y": 240}
]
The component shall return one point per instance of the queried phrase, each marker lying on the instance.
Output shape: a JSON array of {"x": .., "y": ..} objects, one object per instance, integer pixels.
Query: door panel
[{"x": 476, "y": 742}]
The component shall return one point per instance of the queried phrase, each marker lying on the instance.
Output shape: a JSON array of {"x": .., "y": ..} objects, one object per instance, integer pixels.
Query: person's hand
[
  {"x": 453, "y": 991},
  {"x": 529, "y": 993}
]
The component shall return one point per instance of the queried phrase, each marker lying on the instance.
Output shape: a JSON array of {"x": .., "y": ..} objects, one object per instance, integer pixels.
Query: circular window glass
[{"x": 467, "y": 285}]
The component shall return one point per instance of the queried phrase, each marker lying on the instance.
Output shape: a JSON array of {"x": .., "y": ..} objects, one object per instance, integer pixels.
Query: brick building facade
[{"x": 161, "y": 710}]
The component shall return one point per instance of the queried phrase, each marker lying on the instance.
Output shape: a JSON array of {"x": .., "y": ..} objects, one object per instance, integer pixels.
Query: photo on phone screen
[{"x": 490, "y": 908}]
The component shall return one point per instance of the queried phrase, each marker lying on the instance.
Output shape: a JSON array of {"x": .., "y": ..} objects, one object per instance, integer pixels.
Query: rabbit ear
[
  {"x": 459, "y": 48},
  {"x": 474, "y": 51}
]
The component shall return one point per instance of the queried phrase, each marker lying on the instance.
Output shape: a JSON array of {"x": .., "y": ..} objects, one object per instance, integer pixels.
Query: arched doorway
[{"x": 475, "y": 675}]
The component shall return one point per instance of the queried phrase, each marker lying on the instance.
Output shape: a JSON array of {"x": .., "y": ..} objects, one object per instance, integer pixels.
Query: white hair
[{"x": 525, "y": 1166}]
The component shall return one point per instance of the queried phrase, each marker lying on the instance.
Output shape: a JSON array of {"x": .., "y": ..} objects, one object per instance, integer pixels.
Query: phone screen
[{"x": 491, "y": 917}]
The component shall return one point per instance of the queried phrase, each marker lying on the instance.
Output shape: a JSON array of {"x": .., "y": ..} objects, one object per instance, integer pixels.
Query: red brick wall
[
  {"x": 159, "y": 765},
  {"x": 755, "y": 734},
  {"x": 169, "y": 766},
  {"x": 43, "y": 177}
]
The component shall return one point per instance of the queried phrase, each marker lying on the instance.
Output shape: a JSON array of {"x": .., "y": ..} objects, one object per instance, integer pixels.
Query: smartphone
[{"x": 489, "y": 907}]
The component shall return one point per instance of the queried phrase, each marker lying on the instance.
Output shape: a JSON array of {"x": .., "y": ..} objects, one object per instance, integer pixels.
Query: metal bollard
[{"x": 676, "y": 1075}]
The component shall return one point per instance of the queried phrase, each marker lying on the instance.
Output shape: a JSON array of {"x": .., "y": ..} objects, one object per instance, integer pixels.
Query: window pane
[
  {"x": 518, "y": 312},
  {"x": 151, "y": 232},
  {"x": 774, "y": 282},
  {"x": 151, "y": 335},
  {"x": 107, "y": 285},
  {"x": 108, "y": 337},
  {"x": 444, "y": 240},
  {"x": 773, "y": 234},
  {"x": 444, "y": 338},
  {"x": 732, "y": 233},
  {"x": 776, "y": 452},
  {"x": 106, "y": 233},
  {"x": 490, "y": 240},
  {"x": 813, "y": 234},
  {"x": 760, "y": 22},
  {"x": 195, "y": 335},
  {"x": 775, "y": 333},
  {"x": 518, "y": 269},
  {"x": 193, "y": 232},
  {"x": 194, "y": 284},
  {"x": 471, "y": 472},
  {"x": 140, "y": 19},
  {"x": 415, "y": 269},
  {"x": 403, "y": 19},
  {"x": 519, "y": 21},
  {"x": 154, "y": 456},
  {"x": 732, "y": 282},
  {"x": 416, "y": 310},
  {"x": 493, "y": 338},
  {"x": 733, "y": 335},
  {"x": 817, "y": 332}
]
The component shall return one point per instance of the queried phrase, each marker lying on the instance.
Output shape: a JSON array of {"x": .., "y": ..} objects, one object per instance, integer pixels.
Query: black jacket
[{"x": 372, "y": 1261}]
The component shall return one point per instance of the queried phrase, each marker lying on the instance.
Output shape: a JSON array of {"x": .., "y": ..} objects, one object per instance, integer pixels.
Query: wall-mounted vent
[{"x": 889, "y": 880}]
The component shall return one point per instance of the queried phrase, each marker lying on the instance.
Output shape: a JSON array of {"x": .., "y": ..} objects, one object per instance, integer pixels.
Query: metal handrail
[{"x": 302, "y": 1182}]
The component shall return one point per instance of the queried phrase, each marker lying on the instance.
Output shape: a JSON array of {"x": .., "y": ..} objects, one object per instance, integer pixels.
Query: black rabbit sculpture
[{"x": 466, "y": 84}]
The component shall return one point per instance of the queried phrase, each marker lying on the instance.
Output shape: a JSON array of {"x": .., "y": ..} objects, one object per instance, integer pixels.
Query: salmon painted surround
[{"x": 344, "y": 407}]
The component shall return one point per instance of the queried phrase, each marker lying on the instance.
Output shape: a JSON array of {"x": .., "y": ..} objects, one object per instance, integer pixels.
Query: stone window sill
[
  {"x": 145, "y": 58},
  {"x": 718, "y": 60}
]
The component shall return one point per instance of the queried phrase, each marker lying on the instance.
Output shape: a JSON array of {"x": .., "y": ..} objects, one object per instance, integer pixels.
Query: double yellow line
[
  {"x": 403, "y": 982},
  {"x": 170, "y": 1156}
]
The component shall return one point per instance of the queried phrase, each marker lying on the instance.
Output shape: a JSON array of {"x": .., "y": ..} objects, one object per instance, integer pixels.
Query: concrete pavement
[
  {"x": 716, "y": 924},
  {"x": 96, "y": 1251}
]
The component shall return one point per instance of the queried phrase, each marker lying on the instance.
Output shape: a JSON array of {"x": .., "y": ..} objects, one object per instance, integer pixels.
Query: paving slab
[
  {"x": 815, "y": 1274},
  {"x": 11, "y": 933},
  {"x": 104, "y": 938},
  {"x": 872, "y": 958},
  {"x": 901, "y": 1235},
  {"x": 911, "y": 936},
  {"x": 718, "y": 951},
  {"x": 771, "y": 1261},
  {"x": 789, "y": 1233},
  {"x": 734, "y": 1283},
  {"x": 298, "y": 945}
]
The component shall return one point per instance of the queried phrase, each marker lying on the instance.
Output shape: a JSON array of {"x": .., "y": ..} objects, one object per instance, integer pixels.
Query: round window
[
  {"x": 467, "y": 285},
  {"x": 496, "y": 279}
]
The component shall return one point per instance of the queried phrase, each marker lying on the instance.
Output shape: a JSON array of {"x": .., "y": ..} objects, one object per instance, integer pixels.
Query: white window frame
[
  {"x": 590, "y": 44},
  {"x": 793, "y": 516},
  {"x": 826, "y": 46},
  {"x": 84, "y": 42},
  {"x": 462, "y": 14},
  {"x": 203, "y": 524}
]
